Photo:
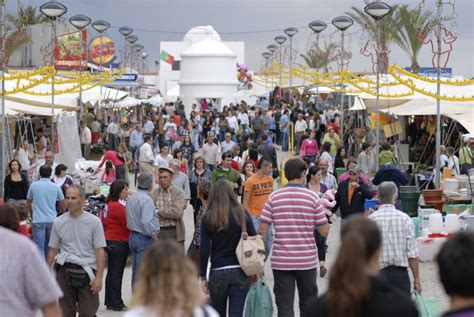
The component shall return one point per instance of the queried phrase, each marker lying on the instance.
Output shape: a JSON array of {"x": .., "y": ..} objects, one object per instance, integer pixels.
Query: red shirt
[
  {"x": 115, "y": 223},
  {"x": 235, "y": 165},
  {"x": 113, "y": 157}
]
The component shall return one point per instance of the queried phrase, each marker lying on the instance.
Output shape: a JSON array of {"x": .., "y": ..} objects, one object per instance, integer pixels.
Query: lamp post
[
  {"x": 144, "y": 56},
  {"x": 280, "y": 39},
  {"x": 317, "y": 27},
  {"x": 125, "y": 31},
  {"x": 137, "y": 48},
  {"x": 131, "y": 39},
  {"x": 53, "y": 10},
  {"x": 342, "y": 23},
  {"x": 4, "y": 119},
  {"x": 377, "y": 11},
  {"x": 272, "y": 48},
  {"x": 100, "y": 26},
  {"x": 80, "y": 22},
  {"x": 267, "y": 56},
  {"x": 290, "y": 32}
]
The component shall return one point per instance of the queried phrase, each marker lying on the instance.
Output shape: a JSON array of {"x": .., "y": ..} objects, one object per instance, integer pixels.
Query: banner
[
  {"x": 69, "y": 51},
  {"x": 104, "y": 44}
]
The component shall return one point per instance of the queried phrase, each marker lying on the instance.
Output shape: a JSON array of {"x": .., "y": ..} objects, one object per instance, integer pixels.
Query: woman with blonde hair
[{"x": 167, "y": 285}]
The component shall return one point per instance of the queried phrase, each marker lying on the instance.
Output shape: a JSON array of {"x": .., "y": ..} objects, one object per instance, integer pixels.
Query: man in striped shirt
[{"x": 294, "y": 212}]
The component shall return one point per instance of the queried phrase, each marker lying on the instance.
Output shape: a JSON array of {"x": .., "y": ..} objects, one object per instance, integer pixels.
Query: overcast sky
[{"x": 232, "y": 16}]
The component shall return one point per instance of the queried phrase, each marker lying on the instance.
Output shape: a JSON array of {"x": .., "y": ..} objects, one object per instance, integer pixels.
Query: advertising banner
[
  {"x": 104, "y": 44},
  {"x": 69, "y": 50}
]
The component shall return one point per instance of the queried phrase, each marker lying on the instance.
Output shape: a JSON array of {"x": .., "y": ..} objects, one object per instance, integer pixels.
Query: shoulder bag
[{"x": 250, "y": 251}]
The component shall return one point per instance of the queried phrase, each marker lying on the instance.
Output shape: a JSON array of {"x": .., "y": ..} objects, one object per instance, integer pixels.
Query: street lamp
[
  {"x": 53, "y": 10},
  {"x": 144, "y": 56},
  {"x": 280, "y": 39},
  {"x": 100, "y": 26},
  {"x": 80, "y": 22},
  {"x": 317, "y": 27},
  {"x": 342, "y": 23},
  {"x": 267, "y": 56},
  {"x": 131, "y": 39},
  {"x": 377, "y": 11},
  {"x": 290, "y": 32},
  {"x": 272, "y": 48},
  {"x": 125, "y": 31}
]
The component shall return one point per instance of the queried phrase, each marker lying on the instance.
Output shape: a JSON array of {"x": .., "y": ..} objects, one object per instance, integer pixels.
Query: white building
[{"x": 170, "y": 75}]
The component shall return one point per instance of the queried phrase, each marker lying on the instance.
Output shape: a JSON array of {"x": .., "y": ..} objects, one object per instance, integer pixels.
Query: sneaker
[{"x": 323, "y": 271}]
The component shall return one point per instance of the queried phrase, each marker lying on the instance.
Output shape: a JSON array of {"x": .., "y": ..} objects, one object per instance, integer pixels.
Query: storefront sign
[
  {"x": 69, "y": 51},
  {"x": 128, "y": 77},
  {"x": 104, "y": 44}
]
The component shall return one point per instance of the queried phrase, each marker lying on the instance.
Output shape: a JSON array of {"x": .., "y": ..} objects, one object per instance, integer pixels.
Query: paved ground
[{"x": 429, "y": 276}]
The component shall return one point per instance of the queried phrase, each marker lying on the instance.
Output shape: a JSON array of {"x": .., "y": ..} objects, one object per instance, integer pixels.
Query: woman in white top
[
  {"x": 232, "y": 122},
  {"x": 453, "y": 161},
  {"x": 167, "y": 285}
]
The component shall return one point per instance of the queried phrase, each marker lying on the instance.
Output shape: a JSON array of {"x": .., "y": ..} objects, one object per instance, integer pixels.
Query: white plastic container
[
  {"x": 435, "y": 224},
  {"x": 428, "y": 248},
  {"x": 451, "y": 223}
]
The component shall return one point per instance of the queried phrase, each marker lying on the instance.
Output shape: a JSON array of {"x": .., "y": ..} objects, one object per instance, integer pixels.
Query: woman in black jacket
[
  {"x": 220, "y": 235},
  {"x": 16, "y": 184},
  {"x": 355, "y": 288}
]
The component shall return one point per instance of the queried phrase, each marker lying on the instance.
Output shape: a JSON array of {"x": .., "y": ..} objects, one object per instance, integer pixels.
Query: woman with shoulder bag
[{"x": 220, "y": 234}]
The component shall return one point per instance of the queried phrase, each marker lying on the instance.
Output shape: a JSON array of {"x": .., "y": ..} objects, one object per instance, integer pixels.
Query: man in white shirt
[
  {"x": 86, "y": 140},
  {"x": 148, "y": 127},
  {"x": 210, "y": 152},
  {"x": 42, "y": 142},
  {"x": 227, "y": 144},
  {"x": 300, "y": 127},
  {"x": 363, "y": 160},
  {"x": 112, "y": 132},
  {"x": 146, "y": 158},
  {"x": 399, "y": 248}
]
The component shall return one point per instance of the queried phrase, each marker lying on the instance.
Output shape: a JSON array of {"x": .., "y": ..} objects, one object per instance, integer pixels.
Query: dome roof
[
  {"x": 209, "y": 48},
  {"x": 200, "y": 33}
]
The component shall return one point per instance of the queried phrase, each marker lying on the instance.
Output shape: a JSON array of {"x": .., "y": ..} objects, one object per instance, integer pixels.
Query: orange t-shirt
[
  {"x": 258, "y": 189},
  {"x": 351, "y": 193}
]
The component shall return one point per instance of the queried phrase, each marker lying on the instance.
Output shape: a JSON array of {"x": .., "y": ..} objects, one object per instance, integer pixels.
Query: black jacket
[
  {"x": 356, "y": 205},
  {"x": 269, "y": 153},
  {"x": 390, "y": 172},
  {"x": 383, "y": 301}
]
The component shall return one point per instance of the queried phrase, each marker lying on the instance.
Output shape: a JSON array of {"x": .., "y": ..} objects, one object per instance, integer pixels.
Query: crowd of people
[{"x": 224, "y": 167}]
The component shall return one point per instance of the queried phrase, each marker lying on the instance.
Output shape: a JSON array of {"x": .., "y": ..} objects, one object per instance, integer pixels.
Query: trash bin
[{"x": 410, "y": 202}]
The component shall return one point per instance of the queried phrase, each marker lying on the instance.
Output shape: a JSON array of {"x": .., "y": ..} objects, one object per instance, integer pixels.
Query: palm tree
[
  {"x": 413, "y": 27},
  {"x": 19, "y": 24},
  {"x": 370, "y": 26},
  {"x": 320, "y": 58}
]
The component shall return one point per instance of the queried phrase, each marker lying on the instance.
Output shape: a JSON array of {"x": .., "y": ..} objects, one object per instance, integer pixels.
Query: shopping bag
[
  {"x": 259, "y": 300},
  {"x": 427, "y": 306}
]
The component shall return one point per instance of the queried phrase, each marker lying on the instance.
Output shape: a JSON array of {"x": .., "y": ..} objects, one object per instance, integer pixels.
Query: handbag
[
  {"x": 76, "y": 278},
  {"x": 250, "y": 251},
  {"x": 259, "y": 300},
  {"x": 427, "y": 307}
]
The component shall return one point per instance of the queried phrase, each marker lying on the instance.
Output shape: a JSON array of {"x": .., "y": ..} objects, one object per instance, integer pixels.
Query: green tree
[
  {"x": 17, "y": 26},
  {"x": 370, "y": 27},
  {"x": 318, "y": 58},
  {"x": 413, "y": 27}
]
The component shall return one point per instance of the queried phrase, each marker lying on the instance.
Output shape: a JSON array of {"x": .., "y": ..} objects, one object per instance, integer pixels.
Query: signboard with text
[
  {"x": 70, "y": 50},
  {"x": 102, "y": 50}
]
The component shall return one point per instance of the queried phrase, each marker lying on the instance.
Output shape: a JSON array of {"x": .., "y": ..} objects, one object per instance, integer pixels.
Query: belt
[
  {"x": 168, "y": 227},
  {"x": 144, "y": 162}
]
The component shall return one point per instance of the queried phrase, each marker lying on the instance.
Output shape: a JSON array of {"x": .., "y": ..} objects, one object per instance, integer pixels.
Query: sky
[{"x": 244, "y": 20}]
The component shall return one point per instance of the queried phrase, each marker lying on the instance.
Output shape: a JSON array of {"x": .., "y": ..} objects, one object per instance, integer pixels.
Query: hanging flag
[{"x": 166, "y": 57}]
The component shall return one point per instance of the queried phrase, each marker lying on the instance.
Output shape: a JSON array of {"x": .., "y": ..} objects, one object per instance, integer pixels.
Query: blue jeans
[
  {"x": 138, "y": 244},
  {"x": 41, "y": 234},
  {"x": 268, "y": 239},
  {"x": 228, "y": 284},
  {"x": 284, "y": 141}
]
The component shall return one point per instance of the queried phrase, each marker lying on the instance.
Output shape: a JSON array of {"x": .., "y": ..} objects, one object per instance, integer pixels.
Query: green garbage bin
[
  {"x": 339, "y": 172},
  {"x": 410, "y": 202}
]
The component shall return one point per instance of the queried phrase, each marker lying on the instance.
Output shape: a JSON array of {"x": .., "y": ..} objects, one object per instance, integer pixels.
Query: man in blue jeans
[
  {"x": 142, "y": 220},
  {"x": 41, "y": 199}
]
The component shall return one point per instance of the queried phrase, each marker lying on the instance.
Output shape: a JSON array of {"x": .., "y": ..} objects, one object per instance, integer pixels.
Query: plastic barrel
[
  {"x": 410, "y": 202},
  {"x": 339, "y": 172}
]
